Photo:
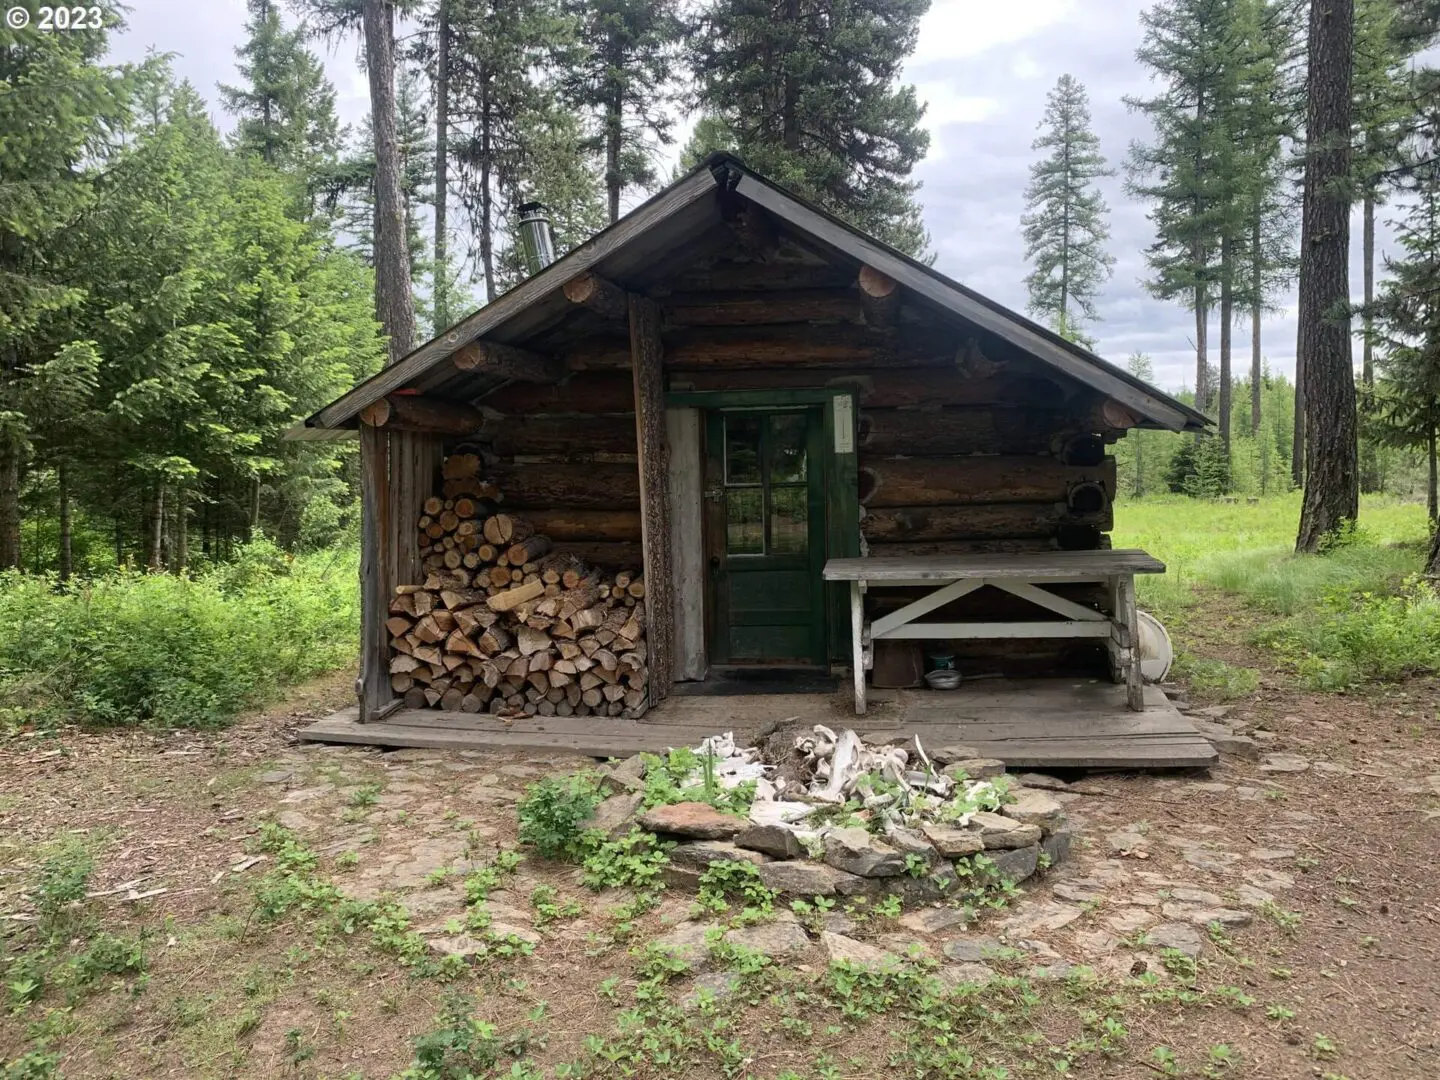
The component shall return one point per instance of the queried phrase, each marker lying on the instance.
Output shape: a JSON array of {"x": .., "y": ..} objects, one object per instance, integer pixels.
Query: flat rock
[
  {"x": 512, "y": 930},
  {"x": 952, "y": 976},
  {"x": 777, "y": 940},
  {"x": 1097, "y": 943},
  {"x": 1227, "y": 742},
  {"x": 624, "y": 776},
  {"x": 932, "y": 920},
  {"x": 1203, "y": 916},
  {"x": 1082, "y": 890},
  {"x": 910, "y": 842},
  {"x": 809, "y": 879},
  {"x": 840, "y": 949},
  {"x": 687, "y": 944},
  {"x": 614, "y": 815},
  {"x": 946, "y": 755},
  {"x": 295, "y": 821},
  {"x": 1033, "y": 916},
  {"x": 1127, "y": 920},
  {"x": 1016, "y": 865},
  {"x": 773, "y": 840},
  {"x": 1057, "y": 845},
  {"x": 306, "y": 794},
  {"x": 998, "y": 832},
  {"x": 858, "y": 852},
  {"x": 1215, "y": 862},
  {"x": 1272, "y": 854},
  {"x": 462, "y": 945},
  {"x": 711, "y": 986},
  {"x": 1251, "y": 897},
  {"x": 694, "y": 819},
  {"x": 1182, "y": 937},
  {"x": 837, "y": 922},
  {"x": 699, "y": 854},
  {"x": 1042, "y": 781},
  {"x": 975, "y": 768},
  {"x": 1187, "y": 895},
  {"x": 1035, "y": 808},
  {"x": 953, "y": 843},
  {"x": 972, "y": 950},
  {"x": 276, "y": 776},
  {"x": 1284, "y": 763}
]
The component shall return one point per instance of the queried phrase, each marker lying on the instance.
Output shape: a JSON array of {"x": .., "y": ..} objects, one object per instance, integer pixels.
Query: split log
[
  {"x": 530, "y": 641},
  {"x": 511, "y": 598},
  {"x": 503, "y": 529},
  {"x": 457, "y": 642},
  {"x": 398, "y": 625},
  {"x": 494, "y": 640}
]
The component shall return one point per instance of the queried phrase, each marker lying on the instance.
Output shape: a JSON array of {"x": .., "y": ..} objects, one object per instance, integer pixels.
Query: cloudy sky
[{"x": 984, "y": 67}]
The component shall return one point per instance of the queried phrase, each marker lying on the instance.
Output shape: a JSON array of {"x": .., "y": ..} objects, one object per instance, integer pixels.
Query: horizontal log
[
  {"x": 956, "y": 481},
  {"x": 582, "y": 392},
  {"x": 577, "y": 438},
  {"x": 597, "y": 486},
  {"x": 984, "y": 521},
  {"x": 783, "y": 346},
  {"x": 600, "y": 296},
  {"x": 882, "y": 389},
  {"x": 962, "y": 429},
  {"x": 607, "y": 555},
  {"x": 739, "y": 308},
  {"x": 879, "y": 297},
  {"x": 563, "y": 526},
  {"x": 924, "y": 548},
  {"x": 726, "y": 276},
  {"x": 509, "y": 362},
  {"x": 428, "y": 415}
]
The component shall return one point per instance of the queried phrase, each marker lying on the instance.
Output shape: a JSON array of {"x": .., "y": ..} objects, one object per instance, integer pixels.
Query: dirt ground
[{"x": 1319, "y": 865}]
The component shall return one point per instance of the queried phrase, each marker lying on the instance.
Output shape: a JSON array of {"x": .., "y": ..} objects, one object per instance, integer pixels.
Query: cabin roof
[{"x": 684, "y": 223}]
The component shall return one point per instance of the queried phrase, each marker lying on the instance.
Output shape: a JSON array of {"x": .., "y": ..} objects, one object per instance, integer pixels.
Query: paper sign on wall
[{"x": 844, "y": 424}]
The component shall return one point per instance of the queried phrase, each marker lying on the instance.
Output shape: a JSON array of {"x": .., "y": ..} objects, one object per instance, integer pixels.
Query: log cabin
[{"x": 729, "y": 391}]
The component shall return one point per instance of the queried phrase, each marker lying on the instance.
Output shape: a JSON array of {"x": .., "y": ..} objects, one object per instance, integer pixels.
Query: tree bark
[
  {"x": 155, "y": 531},
  {"x": 487, "y": 246},
  {"x": 790, "y": 110},
  {"x": 1369, "y": 471},
  {"x": 1332, "y": 489},
  {"x": 441, "y": 278},
  {"x": 1227, "y": 316},
  {"x": 1255, "y": 310},
  {"x": 1202, "y": 362},
  {"x": 614, "y": 126},
  {"x": 1297, "y": 429},
  {"x": 62, "y": 481},
  {"x": 182, "y": 532},
  {"x": 9, "y": 501},
  {"x": 252, "y": 522},
  {"x": 393, "y": 301},
  {"x": 1432, "y": 495}
]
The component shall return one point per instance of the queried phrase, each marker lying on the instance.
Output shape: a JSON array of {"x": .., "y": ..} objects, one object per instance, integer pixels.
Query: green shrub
[
  {"x": 553, "y": 813},
  {"x": 173, "y": 651}
]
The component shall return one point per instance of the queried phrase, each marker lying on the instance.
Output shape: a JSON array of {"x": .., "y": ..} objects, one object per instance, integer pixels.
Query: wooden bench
[{"x": 1022, "y": 575}]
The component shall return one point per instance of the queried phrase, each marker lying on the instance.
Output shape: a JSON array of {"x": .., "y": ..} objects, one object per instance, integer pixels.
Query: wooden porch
[{"x": 1029, "y": 723}]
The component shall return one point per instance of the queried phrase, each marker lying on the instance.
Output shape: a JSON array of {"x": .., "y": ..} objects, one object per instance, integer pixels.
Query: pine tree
[
  {"x": 620, "y": 82},
  {"x": 287, "y": 109},
  {"x": 709, "y": 135},
  {"x": 810, "y": 91},
  {"x": 1332, "y": 483},
  {"x": 1066, "y": 229}
]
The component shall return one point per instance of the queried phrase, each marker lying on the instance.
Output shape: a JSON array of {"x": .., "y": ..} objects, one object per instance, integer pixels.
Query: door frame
[{"x": 841, "y": 483}]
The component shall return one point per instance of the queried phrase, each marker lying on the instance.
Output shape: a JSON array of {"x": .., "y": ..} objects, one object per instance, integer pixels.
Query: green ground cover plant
[{"x": 171, "y": 651}]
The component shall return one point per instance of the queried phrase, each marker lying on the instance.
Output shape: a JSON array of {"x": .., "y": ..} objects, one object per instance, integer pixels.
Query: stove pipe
[{"x": 535, "y": 236}]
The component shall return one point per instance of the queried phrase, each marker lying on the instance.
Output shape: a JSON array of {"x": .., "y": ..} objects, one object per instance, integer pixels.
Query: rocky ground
[{"x": 1275, "y": 917}]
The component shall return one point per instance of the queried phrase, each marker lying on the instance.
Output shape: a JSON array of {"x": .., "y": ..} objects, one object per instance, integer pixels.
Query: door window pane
[
  {"x": 745, "y": 521},
  {"x": 789, "y": 523},
  {"x": 787, "y": 447},
  {"x": 742, "y": 449}
]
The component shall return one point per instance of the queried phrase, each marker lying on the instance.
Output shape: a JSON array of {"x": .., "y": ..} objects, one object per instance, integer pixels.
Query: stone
[
  {"x": 773, "y": 840},
  {"x": 520, "y": 772},
  {"x": 1081, "y": 890},
  {"x": 510, "y": 930},
  {"x": 1227, "y": 742},
  {"x": 711, "y": 986},
  {"x": 1096, "y": 943},
  {"x": 1050, "y": 972},
  {"x": 932, "y": 920},
  {"x": 461, "y": 945},
  {"x": 858, "y": 852},
  {"x": 1215, "y": 862},
  {"x": 1187, "y": 895},
  {"x": 1042, "y": 781},
  {"x": 972, "y": 950},
  {"x": 276, "y": 776},
  {"x": 952, "y": 976},
  {"x": 1016, "y": 865},
  {"x": 953, "y": 843},
  {"x": 945, "y": 755},
  {"x": 837, "y": 922},
  {"x": 1126, "y": 841},
  {"x": 306, "y": 794},
  {"x": 807, "y": 879},
  {"x": 295, "y": 821},
  {"x": 624, "y": 776},
  {"x": 1272, "y": 854},
  {"x": 777, "y": 940},
  {"x": 975, "y": 768},
  {"x": 687, "y": 944},
  {"x": 614, "y": 815},
  {"x": 697, "y": 855},
  {"x": 489, "y": 795},
  {"x": 1127, "y": 920},
  {"x": 1209, "y": 788},
  {"x": 1035, "y": 808},
  {"x": 1251, "y": 897},
  {"x": 1182, "y": 937},
  {"x": 929, "y": 889},
  {"x": 1032, "y": 916},
  {"x": 998, "y": 832},
  {"x": 846, "y": 950},
  {"x": 1057, "y": 845},
  {"x": 413, "y": 755},
  {"x": 910, "y": 842},
  {"x": 1284, "y": 763},
  {"x": 1212, "y": 712},
  {"x": 1204, "y": 916},
  {"x": 693, "y": 819}
]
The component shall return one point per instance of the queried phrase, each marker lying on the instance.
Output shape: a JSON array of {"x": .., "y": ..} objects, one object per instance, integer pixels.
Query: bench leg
[
  {"x": 1134, "y": 683},
  {"x": 857, "y": 641}
]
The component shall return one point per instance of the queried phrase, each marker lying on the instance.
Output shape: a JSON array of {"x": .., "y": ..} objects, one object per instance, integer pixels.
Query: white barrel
[{"x": 1156, "y": 651}]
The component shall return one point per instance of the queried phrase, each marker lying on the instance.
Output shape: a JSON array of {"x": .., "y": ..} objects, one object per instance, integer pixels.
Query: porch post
[{"x": 646, "y": 358}]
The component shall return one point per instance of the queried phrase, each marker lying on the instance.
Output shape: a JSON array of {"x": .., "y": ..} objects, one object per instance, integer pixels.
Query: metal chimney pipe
[{"x": 536, "y": 238}]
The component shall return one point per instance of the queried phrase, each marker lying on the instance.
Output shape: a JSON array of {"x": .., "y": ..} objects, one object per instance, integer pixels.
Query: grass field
[{"x": 1357, "y": 613}]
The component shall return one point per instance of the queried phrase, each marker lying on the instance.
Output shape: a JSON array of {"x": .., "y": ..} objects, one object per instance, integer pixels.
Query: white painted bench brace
[{"x": 1018, "y": 574}]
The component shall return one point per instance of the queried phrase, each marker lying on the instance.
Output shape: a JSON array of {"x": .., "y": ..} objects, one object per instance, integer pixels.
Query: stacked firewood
[{"x": 505, "y": 623}]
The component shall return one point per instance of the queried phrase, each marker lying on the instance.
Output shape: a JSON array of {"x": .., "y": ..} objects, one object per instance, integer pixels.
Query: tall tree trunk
[
  {"x": 1257, "y": 303},
  {"x": 394, "y": 303},
  {"x": 1370, "y": 464},
  {"x": 1332, "y": 482},
  {"x": 62, "y": 482},
  {"x": 155, "y": 528},
  {"x": 441, "y": 279},
  {"x": 9, "y": 500},
  {"x": 1202, "y": 346},
  {"x": 1432, "y": 495},
  {"x": 1432, "y": 561},
  {"x": 1139, "y": 464},
  {"x": 790, "y": 109},
  {"x": 1227, "y": 316},
  {"x": 1297, "y": 428},
  {"x": 614, "y": 133},
  {"x": 182, "y": 531},
  {"x": 252, "y": 520},
  {"x": 487, "y": 247}
]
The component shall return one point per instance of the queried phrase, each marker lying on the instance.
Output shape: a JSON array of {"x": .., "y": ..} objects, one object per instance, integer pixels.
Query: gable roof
[{"x": 681, "y": 213}]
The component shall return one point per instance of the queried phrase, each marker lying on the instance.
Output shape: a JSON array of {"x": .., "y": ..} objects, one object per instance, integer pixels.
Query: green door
[{"x": 765, "y": 536}]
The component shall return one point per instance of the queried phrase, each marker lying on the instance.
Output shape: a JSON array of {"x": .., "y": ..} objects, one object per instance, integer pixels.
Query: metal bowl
[{"x": 943, "y": 679}]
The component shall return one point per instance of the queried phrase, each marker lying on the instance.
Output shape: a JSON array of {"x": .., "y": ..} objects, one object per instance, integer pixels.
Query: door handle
[{"x": 714, "y": 564}]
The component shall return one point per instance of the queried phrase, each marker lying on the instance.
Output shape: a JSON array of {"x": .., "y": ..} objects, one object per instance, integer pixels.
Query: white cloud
[{"x": 952, "y": 29}]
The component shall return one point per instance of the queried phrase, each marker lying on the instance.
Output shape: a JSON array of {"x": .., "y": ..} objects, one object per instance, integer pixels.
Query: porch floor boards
[{"x": 1027, "y": 723}]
